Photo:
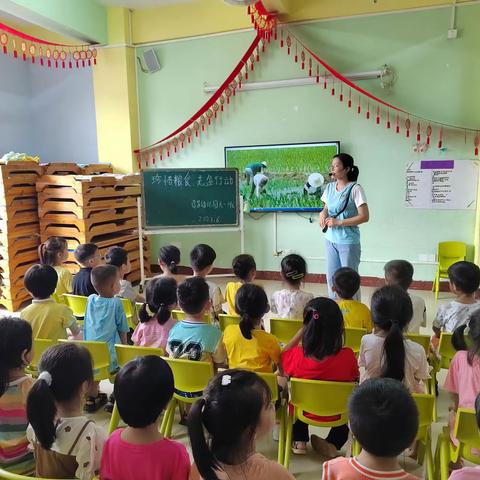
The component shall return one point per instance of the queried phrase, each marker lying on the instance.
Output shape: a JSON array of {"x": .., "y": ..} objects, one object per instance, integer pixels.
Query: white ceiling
[{"x": 134, "y": 4}]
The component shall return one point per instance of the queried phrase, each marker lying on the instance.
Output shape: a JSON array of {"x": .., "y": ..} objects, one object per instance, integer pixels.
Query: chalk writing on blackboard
[{"x": 215, "y": 204}]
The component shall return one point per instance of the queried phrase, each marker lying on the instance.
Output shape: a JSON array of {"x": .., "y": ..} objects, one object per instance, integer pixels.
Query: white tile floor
[{"x": 309, "y": 466}]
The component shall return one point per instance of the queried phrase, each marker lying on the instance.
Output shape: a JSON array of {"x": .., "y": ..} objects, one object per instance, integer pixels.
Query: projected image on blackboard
[{"x": 282, "y": 177}]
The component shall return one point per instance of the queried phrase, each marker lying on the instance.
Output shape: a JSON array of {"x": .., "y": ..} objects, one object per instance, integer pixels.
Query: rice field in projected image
[{"x": 288, "y": 169}]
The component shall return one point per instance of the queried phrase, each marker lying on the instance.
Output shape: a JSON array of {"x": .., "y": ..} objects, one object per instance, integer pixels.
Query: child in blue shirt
[
  {"x": 105, "y": 321},
  {"x": 192, "y": 338}
]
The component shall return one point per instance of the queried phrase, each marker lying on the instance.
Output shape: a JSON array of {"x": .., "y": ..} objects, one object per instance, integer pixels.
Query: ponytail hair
[
  {"x": 294, "y": 269},
  {"x": 64, "y": 368},
  {"x": 170, "y": 256},
  {"x": 392, "y": 311},
  {"x": 15, "y": 339},
  {"x": 229, "y": 413},
  {"x": 161, "y": 294},
  {"x": 348, "y": 162},
  {"x": 251, "y": 303},
  {"x": 49, "y": 250},
  {"x": 467, "y": 337}
]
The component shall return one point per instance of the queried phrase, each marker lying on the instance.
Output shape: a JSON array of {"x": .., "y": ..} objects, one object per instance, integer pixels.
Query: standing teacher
[{"x": 345, "y": 208}]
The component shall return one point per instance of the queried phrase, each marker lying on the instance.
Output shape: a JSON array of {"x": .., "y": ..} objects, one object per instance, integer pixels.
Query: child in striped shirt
[{"x": 15, "y": 354}]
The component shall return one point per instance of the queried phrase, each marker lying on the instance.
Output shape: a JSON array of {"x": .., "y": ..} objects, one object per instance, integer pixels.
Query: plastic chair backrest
[
  {"x": 39, "y": 346},
  {"x": 353, "y": 338},
  {"x": 423, "y": 340},
  {"x": 271, "y": 380},
  {"x": 138, "y": 306},
  {"x": 125, "y": 353},
  {"x": 466, "y": 429},
  {"x": 425, "y": 408},
  {"x": 190, "y": 376},
  {"x": 77, "y": 303},
  {"x": 226, "y": 320},
  {"x": 181, "y": 315},
  {"x": 100, "y": 357},
  {"x": 57, "y": 298},
  {"x": 127, "y": 307},
  {"x": 321, "y": 398},
  {"x": 4, "y": 475},
  {"x": 449, "y": 253},
  {"x": 446, "y": 349},
  {"x": 284, "y": 328}
]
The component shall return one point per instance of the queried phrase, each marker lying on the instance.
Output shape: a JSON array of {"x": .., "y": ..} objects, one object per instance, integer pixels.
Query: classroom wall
[
  {"x": 436, "y": 78},
  {"x": 47, "y": 112}
]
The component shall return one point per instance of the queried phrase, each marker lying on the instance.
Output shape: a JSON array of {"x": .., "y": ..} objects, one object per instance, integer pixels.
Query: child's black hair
[
  {"x": 84, "y": 252},
  {"x": 102, "y": 274},
  {"x": 348, "y": 162},
  {"x": 193, "y": 294},
  {"x": 472, "y": 332},
  {"x": 48, "y": 251},
  {"x": 251, "y": 303},
  {"x": 41, "y": 281},
  {"x": 243, "y": 265},
  {"x": 383, "y": 417},
  {"x": 160, "y": 294},
  {"x": 15, "y": 338},
  {"x": 322, "y": 328},
  {"x": 346, "y": 282},
  {"x": 229, "y": 412},
  {"x": 465, "y": 276},
  {"x": 142, "y": 390},
  {"x": 399, "y": 272},
  {"x": 69, "y": 366},
  {"x": 392, "y": 311},
  {"x": 294, "y": 269},
  {"x": 116, "y": 256},
  {"x": 477, "y": 409},
  {"x": 170, "y": 256},
  {"x": 201, "y": 257}
]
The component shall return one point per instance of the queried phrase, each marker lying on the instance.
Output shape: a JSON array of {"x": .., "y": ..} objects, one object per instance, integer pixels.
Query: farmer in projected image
[
  {"x": 314, "y": 184},
  {"x": 259, "y": 185},
  {"x": 253, "y": 169}
]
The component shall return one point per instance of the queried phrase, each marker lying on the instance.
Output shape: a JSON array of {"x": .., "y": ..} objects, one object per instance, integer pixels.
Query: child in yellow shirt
[
  {"x": 346, "y": 283},
  {"x": 245, "y": 269},
  {"x": 54, "y": 252},
  {"x": 49, "y": 319},
  {"x": 247, "y": 345}
]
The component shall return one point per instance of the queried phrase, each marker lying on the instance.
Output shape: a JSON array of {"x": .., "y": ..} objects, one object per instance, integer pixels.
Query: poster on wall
[
  {"x": 441, "y": 184},
  {"x": 283, "y": 178}
]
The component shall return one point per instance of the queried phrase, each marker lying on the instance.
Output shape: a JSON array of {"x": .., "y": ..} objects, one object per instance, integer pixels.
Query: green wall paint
[
  {"x": 84, "y": 19},
  {"x": 436, "y": 78}
]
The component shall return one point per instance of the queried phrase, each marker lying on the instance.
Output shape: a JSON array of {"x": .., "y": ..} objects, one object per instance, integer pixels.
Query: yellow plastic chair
[
  {"x": 100, "y": 357},
  {"x": 39, "y": 346},
  {"x": 423, "y": 340},
  {"x": 468, "y": 436},
  {"x": 138, "y": 306},
  {"x": 125, "y": 353},
  {"x": 181, "y": 315},
  {"x": 189, "y": 377},
  {"x": 284, "y": 328},
  {"x": 324, "y": 399},
  {"x": 77, "y": 303},
  {"x": 446, "y": 349},
  {"x": 57, "y": 298},
  {"x": 4, "y": 475},
  {"x": 353, "y": 338},
  {"x": 448, "y": 253},
  {"x": 128, "y": 309},
  {"x": 226, "y": 320}
]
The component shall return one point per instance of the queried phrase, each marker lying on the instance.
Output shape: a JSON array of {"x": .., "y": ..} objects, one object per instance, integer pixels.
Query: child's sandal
[
  {"x": 299, "y": 448},
  {"x": 95, "y": 403}
]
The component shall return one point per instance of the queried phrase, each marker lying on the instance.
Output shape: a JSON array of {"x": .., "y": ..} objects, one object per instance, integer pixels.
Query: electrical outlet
[{"x": 452, "y": 33}]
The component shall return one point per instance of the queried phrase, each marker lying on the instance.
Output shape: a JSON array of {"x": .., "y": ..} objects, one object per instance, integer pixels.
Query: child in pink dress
[
  {"x": 463, "y": 378},
  {"x": 142, "y": 390},
  {"x": 156, "y": 313}
]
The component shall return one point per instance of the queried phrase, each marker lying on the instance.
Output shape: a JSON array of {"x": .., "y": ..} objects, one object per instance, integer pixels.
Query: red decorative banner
[{"x": 48, "y": 54}]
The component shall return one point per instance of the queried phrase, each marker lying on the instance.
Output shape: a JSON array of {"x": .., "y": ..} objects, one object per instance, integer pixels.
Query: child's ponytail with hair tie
[
  {"x": 163, "y": 314},
  {"x": 458, "y": 338},
  {"x": 173, "y": 267},
  {"x": 145, "y": 314}
]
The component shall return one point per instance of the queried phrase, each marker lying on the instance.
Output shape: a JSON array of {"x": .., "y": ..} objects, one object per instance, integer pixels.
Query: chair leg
[
  {"x": 114, "y": 419},
  {"x": 166, "y": 414},
  {"x": 437, "y": 284},
  {"x": 288, "y": 441},
  {"x": 281, "y": 435},
  {"x": 166, "y": 428},
  {"x": 442, "y": 457},
  {"x": 429, "y": 459}
]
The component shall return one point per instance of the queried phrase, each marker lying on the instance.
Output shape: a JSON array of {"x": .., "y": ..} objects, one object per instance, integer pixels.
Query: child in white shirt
[{"x": 290, "y": 302}]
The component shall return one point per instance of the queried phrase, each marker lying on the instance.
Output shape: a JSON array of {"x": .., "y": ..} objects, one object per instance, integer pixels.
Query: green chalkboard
[{"x": 186, "y": 197}]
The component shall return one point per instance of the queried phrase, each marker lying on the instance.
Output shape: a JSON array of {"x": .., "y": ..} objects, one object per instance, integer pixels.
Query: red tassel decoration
[
  {"x": 350, "y": 99},
  {"x": 418, "y": 132},
  {"x": 69, "y": 64},
  {"x": 476, "y": 142},
  {"x": 310, "y": 67},
  {"x": 33, "y": 59},
  {"x": 368, "y": 111},
  {"x": 139, "y": 163},
  {"x": 341, "y": 92},
  {"x": 408, "y": 124},
  {"x": 282, "y": 43},
  {"x": 388, "y": 120},
  {"x": 258, "y": 54},
  {"x": 153, "y": 158},
  {"x": 24, "y": 56},
  {"x": 303, "y": 59},
  {"x": 289, "y": 44},
  {"x": 318, "y": 74},
  {"x": 378, "y": 116},
  {"x": 146, "y": 160},
  {"x": 41, "y": 61},
  {"x": 296, "y": 53},
  {"x": 440, "y": 138},
  {"x": 397, "y": 125},
  {"x": 15, "y": 54},
  {"x": 429, "y": 132},
  {"x": 333, "y": 85},
  {"x": 359, "y": 106},
  {"x": 5, "y": 49},
  {"x": 249, "y": 10},
  {"x": 325, "y": 81}
]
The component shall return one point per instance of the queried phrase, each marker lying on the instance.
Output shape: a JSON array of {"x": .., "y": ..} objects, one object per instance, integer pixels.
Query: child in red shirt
[{"x": 320, "y": 357}]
